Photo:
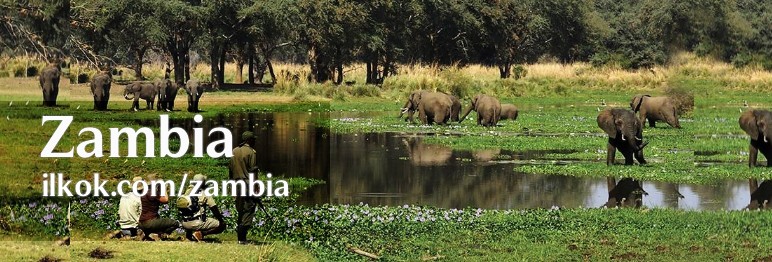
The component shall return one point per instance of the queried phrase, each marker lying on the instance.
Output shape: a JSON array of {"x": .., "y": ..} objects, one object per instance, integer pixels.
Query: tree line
[{"x": 330, "y": 34}]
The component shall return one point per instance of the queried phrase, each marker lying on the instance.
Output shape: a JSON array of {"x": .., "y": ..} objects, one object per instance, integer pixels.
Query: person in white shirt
[{"x": 128, "y": 211}]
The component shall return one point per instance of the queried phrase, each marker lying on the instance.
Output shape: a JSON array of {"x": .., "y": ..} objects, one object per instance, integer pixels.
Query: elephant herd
[
  {"x": 623, "y": 126},
  {"x": 164, "y": 90},
  {"x": 441, "y": 108}
]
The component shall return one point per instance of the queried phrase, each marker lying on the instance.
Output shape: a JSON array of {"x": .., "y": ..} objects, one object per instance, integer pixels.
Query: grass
[{"x": 558, "y": 106}]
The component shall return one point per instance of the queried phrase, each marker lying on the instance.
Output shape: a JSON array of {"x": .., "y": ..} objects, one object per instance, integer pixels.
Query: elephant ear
[
  {"x": 474, "y": 101},
  {"x": 749, "y": 125},
  {"x": 607, "y": 123}
]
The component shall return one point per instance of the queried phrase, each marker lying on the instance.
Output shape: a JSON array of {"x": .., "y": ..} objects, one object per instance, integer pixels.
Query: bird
[
  {"x": 78, "y": 107},
  {"x": 10, "y": 104},
  {"x": 603, "y": 102},
  {"x": 745, "y": 103},
  {"x": 26, "y": 103},
  {"x": 8, "y": 118}
]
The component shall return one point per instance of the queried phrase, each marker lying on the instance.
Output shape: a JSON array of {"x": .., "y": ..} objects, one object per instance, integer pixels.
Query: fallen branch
[{"x": 363, "y": 253}]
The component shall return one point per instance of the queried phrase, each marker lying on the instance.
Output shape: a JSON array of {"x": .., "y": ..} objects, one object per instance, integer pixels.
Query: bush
[
  {"x": 5, "y": 74},
  {"x": 32, "y": 71},
  {"x": 766, "y": 63},
  {"x": 519, "y": 72},
  {"x": 83, "y": 78},
  {"x": 19, "y": 72},
  {"x": 741, "y": 60},
  {"x": 683, "y": 99}
]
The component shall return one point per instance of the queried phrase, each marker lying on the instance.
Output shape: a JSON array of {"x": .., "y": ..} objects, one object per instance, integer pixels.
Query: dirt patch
[
  {"x": 101, "y": 253},
  {"x": 661, "y": 249},
  {"x": 606, "y": 242},
  {"x": 573, "y": 247},
  {"x": 694, "y": 249},
  {"x": 747, "y": 244},
  {"x": 49, "y": 259},
  {"x": 626, "y": 256},
  {"x": 763, "y": 259}
]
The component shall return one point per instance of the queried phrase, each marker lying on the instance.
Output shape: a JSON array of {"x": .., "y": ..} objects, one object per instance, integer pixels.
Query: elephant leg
[
  {"x": 135, "y": 105},
  {"x": 652, "y": 122},
  {"x": 627, "y": 152},
  {"x": 766, "y": 150},
  {"x": 752, "y": 154},
  {"x": 611, "y": 152},
  {"x": 611, "y": 183},
  {"x": 96, "y": 104},
  {"x": 639, "y": 156}
]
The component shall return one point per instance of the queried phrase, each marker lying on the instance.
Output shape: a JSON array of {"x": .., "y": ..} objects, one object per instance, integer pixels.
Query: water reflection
[{"x": 396, "y": 169}]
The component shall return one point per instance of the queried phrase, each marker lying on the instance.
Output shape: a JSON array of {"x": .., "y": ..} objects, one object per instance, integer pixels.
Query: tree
[{"x": 182, "y": 24}]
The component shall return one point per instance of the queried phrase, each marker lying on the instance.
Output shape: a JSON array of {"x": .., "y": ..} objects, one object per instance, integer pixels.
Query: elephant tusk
[
  {"x": 765, "y": 139},
  {"x": 404, "y": 110},
  {"x": 623, "y": 138},
  {"x": 638, "y": 138}
]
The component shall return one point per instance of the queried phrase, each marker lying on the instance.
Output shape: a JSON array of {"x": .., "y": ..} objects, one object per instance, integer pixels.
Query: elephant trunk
[
  {"x": 126, "y": 96},
  {"x": 639, "y": 148},
  {"x": 466, "y": 112}
]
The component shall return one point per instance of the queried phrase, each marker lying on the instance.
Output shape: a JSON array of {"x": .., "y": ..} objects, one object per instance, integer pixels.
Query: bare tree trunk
[
  {"x": 239, "y": 70},
  {"x": 251, "y": 67},
  {"x": 221, "y": 74},
  {"x": 270, "y": 71},
  {"x": 214, "y": 64}
]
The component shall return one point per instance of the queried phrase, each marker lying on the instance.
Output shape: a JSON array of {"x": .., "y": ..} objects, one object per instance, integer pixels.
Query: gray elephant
[
  {"x": 432, "y": 107},
  {"x": 488, "y": 110},
  {"x": 100, "y": 88},
  {"x": 508, "y": 112},
  {"x": 49, "y": 82},
  {"x": 625, "y": 132},
  {"x": 660, "y": 108},
  {"x": 167, "y": 93},
  {"x": 195, "y": 89},
  {"x": 411, "y": 105},
  {"x": 144, "y": 90},
  {"x": 756, "y": 123},
  {"x": 627, "y": 193},
  {"x": 455, "y": 108},
  {"x": 422, "y": 154}
]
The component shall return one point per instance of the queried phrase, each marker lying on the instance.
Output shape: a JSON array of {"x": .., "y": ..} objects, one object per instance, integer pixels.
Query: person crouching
[{"x": 192, "y": 207}]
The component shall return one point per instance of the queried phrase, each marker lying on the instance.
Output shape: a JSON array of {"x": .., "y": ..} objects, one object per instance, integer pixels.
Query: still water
[{"x": 396, "y": 169}]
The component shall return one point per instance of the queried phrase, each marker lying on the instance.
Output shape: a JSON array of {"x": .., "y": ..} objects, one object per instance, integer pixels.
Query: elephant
[
  {"x": 455, "y": 108},
  {"x": 167, "y": 92},
  {"x": 756, "y": 123},
  {"x": 422, "y": 154},
  {"x": 432, "y": 107},
  {"x": 488, "y": 110},
  {"x": 100, "y": 88},
  {"x": 145, "y": 90},
  {"x": 625, "y": 132},
  {"x": 49, "y": 82},
  {"x": 627, "y": 193},
  {"x": 761, "y": 196},
  {"x": 659, "y": 108},
  {"x": 195, "y": 89},
  {"x": 508, "y": 111},
  {"x": 411, "y": 105}
]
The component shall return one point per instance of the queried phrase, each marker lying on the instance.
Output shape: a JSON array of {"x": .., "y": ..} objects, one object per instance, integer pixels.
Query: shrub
[
  {"x": 32, "y": 71},
  {"x": 519, "y": 72},
  {"x": 5, "y": 74},
  {"x": 683, "y": 99},
  {"x": 766, "y": 63},
  {"x": 83, "y": 78},
  {"x": 19, "y": 72},
  {"x": 741, "y": 60}
]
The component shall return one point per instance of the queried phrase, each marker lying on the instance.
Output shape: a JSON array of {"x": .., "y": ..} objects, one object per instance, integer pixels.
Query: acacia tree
[
  {"x": 330, "y": 30},
  {"x": 182, "y": 24},
  {"x": 512, "y": 32},
  {"x": 269, "y": 27},
  {"x": 127, "y": 30}
]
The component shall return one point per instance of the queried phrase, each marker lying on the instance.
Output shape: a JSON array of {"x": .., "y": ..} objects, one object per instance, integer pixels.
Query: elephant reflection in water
[
  {"x": 627, "y": 193},
  {"x": 486, "y": 155},
  {"x": 427, "y": 154},
  {"x": 761, "y": 197}
]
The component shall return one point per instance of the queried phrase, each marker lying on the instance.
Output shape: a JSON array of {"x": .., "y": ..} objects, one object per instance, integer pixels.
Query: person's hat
[
  {"x": 246, "y": 136},
  {"x": 198, "y": 177},
  {"x": 136, "y": 179}
]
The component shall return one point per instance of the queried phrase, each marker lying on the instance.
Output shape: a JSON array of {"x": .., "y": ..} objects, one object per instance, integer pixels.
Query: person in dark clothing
[
  {"x": 241, "y": 165},
  {"x": 149, "y": 221}
]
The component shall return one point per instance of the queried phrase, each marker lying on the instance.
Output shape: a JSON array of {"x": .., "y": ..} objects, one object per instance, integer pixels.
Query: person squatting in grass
[
  {"x": 129, "y": 209},
  {"x": 192, "y": 207},
  {"x": 241, "y": 165},
  {"x": 150, "y": 222}
]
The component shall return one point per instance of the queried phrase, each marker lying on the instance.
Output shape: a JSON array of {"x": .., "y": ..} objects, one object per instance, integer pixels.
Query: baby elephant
[
  {"x": 508, "y": 111},
  {"x": 625, "y": 133},
  {"x": 627, "y": 193},
  {"x": 488, "y": 110},
  {"x": 145, "y": 90},
  {"x": 659, "y": 108}
]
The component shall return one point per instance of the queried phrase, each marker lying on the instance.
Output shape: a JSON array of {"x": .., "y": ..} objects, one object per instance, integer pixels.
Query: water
[{"x": 396, "y": 169}]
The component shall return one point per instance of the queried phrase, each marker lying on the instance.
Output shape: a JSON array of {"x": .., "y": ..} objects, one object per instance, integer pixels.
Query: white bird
[
  {"x": 603, "y": 102},
  {"x": 598, "y": 109},
  {"x": 26, "y": 103},
  {"x": 10, "y": 104},
  {"x": 745, "y": 103},
  {"x": 8, "y": 118},
  {"x": 78, "y": 107}
]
